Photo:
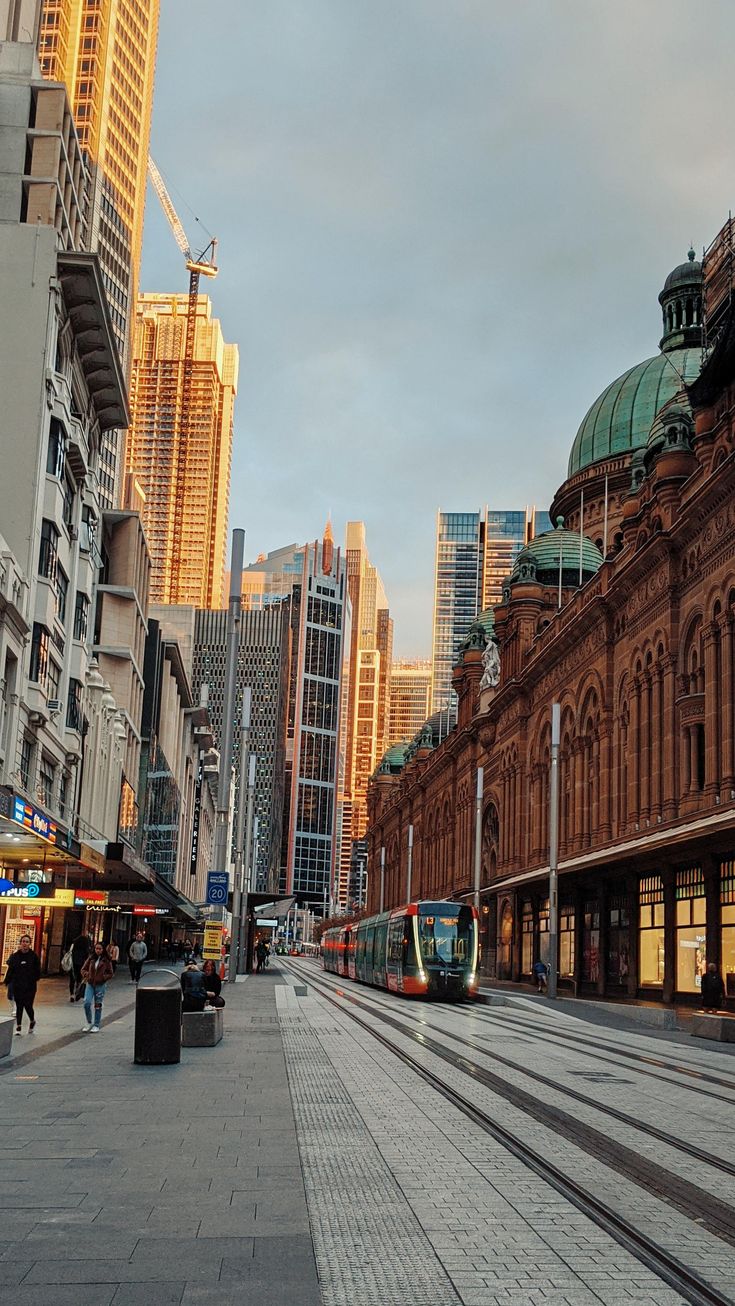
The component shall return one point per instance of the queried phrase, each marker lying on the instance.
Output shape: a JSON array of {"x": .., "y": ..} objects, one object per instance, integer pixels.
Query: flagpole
[
  {"x": 581, "y": 536},
  {"x": 604, "y": 533}
]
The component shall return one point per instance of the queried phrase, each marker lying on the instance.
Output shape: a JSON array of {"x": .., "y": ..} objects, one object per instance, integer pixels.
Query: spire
[{"x": 328, "y": 548}]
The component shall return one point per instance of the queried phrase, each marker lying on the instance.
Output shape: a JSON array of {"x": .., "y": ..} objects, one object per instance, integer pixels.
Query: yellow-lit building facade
[
  {"x": 370, "y": 657},
  {"x": 182, "y": 460},
  {"x": 409, "y": 704},
  {"x": 105, "y": 52}
]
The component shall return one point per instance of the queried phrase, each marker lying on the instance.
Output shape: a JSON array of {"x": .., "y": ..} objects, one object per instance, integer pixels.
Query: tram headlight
[
  {"x": 472, "y": 980},
  {"x": 422, "y": 976}
]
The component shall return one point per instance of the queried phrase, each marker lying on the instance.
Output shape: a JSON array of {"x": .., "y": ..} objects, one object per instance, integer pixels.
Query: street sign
[{"x": 218, "y": 883}]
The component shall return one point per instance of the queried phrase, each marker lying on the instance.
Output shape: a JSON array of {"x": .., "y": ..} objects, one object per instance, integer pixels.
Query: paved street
[{"x": 303, "y": 1161}]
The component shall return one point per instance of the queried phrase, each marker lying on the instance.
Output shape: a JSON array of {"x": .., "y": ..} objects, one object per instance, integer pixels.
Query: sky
[{"x": 443, "y": 228}]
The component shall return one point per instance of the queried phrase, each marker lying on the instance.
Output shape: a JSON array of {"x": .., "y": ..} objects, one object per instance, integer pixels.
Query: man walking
[{"x": 137, "y": 953}]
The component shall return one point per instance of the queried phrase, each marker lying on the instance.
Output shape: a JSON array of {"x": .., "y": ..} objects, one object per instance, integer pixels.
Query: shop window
[
  {"x": 527, "y": 939},
  {"x": 727, "y": 900},
  {"x": 591, "y": 942},
  {"x": 618, "y": 940},
  {"x": 566, "y": 941},
  {"x": 543, "y": 930},
  {"x": 651, "y": 931},
  {"x": 691, "y": 922}
]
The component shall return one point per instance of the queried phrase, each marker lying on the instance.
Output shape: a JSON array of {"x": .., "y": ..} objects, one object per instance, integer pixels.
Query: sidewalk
[{"x": 154, "y": 1184}]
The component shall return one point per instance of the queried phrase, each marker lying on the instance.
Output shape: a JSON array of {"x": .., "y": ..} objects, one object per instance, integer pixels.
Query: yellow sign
[
  {"x": 212, "y": 949},
  {"x": 63, "y": 898}
]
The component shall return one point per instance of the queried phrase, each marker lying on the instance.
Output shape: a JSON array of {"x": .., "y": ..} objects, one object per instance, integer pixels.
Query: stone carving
[{"x": 490, "y": 666}]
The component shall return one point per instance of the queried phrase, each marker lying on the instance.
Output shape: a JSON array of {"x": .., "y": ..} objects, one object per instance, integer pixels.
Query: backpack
[{"x": 67, "y": 961}]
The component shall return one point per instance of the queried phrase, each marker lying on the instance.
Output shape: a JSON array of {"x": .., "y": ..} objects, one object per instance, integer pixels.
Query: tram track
[{"x": 697, "y": 1205}]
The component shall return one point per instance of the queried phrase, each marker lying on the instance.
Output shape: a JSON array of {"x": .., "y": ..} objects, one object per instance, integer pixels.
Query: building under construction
[{"x": 180, "y": 445}]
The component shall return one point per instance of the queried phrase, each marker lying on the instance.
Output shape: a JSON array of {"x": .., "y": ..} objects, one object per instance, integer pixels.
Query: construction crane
[{"x": 202, "y": 265}]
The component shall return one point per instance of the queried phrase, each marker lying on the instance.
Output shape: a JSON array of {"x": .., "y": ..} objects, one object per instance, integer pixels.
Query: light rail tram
[{"x": 425, "y": 949}]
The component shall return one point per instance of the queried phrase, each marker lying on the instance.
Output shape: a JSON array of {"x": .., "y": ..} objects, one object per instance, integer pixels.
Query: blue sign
[{"x": 218, "y": 884}]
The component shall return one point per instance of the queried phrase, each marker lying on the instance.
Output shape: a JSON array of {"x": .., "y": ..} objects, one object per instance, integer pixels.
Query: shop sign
[
  {"x": 92, "y": 859},
  {"x": 91, "y": 898},
  {"x": 273, "y": 924},
  {"x": 212, "y": 948},
  {"x": 33, "y": 819},
  {"x": 63, "y": 897},
  {"x": 150, "y": 911},
  {"x": 25, "y": 891},
  {"x": 194, "y": 856}
]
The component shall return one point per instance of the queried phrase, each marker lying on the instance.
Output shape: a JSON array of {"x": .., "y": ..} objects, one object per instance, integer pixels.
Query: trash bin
[{"x": 158, "y": 1019}]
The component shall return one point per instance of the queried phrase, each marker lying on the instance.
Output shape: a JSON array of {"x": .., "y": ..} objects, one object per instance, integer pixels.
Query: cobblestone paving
[{"x": 500, "y": 1232}]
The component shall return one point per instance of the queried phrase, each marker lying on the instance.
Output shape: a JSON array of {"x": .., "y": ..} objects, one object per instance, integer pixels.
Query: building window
[
  {"x": 727, "y": 900},
  {"x": 527, "y": 938},
  {"x": 74, "y": 706},
  {"x": 62, "y": 591},
  {"x": 56, "y": 449},
  {"x": 591, "y": 942},
  {"x": 543, "y": 930},
  {"x": 46, "y": 781},
  {"x": 691, "y": 923},
  {"x": 49, "y": 552},
  {"x": 618, "y": 940},
  {"x": 53, "y": 680},
  {"x": 81, "y": 614},
  {"x": 63, "y": 794},
  {"x": 67, "y": 510},
  {"x": 26, "y": 761},
  {"x": 566, "y": 941},
  {"x": 651, "y": 931},
  {"x": 39, "y": 654}
]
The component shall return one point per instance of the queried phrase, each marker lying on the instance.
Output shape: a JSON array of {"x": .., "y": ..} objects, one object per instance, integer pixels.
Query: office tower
[
  {"x": 410, "y": 699},
  {"x": 539, "y": 522},
  {"x": 504, "y": 535},
  {"x": 370, "y": 652},
  {"x": 105, "y": 53},
  {"x": 263, "y": 665},
  {"x": 475, "y": 552},
  {"x": 314, "y": 576},
  {"x": 457, "y": 594},
  {"x": 186, "y": 490}
]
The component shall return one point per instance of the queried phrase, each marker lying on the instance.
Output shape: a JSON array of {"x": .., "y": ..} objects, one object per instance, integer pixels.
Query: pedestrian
[
  {"x": 80, "y": 950},
  {"x": 193, "y": 988},
  {"x": 137, "y": 953},
  {"x": 540, "y": 972},
  {"x": 96, "y": 972},
  {"x": 261, "y": 953},
  {"x": 21, "y": 977},
  {"x": 713, "y": 990},
  {"x": 195, "y": 950},
  {"x": 213, "y": 984},
  {"x": 113, "y": 953}
]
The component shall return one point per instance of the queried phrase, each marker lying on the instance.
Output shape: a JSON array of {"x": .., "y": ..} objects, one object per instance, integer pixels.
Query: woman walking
[
  {"x": 96, "y": 971},
  {"x": 22, "y": 976}
]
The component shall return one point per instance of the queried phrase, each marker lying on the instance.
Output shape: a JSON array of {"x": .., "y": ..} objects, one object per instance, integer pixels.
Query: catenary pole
[
  {"x": 221, "y": 854},
  {"x": 410, "y": 863},
  {"x": 382, "y": 878},
  {"x": 554, "y": 850},
  {"x": 239, "y": 838},
  {"x": 478, "y": 834}
]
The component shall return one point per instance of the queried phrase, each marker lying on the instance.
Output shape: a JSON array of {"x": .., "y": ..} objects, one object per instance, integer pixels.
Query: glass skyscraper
[{"x": 475, "y": 552}]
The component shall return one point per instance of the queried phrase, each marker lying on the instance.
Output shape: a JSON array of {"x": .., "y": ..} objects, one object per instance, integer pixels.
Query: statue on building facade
[{"x": 490, "y": 666}]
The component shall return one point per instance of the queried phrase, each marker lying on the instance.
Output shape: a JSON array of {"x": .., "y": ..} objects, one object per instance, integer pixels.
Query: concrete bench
[
  {"x": 718, "y": 1027},
  {"x": 7, "y": 1025},
  {"x": 202, "y": 1029}
]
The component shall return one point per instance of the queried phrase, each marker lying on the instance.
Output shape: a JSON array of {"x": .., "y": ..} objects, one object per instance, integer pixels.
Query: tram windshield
[{"x": 446, "y": 939}]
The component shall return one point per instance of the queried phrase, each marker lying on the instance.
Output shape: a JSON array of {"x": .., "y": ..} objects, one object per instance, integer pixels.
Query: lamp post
[
  {"x": 554, "y": 850},
  {"x": 246, "y": 870},
  {"x": 239, "y": 863},
  {"x": 221, "y": 851}
]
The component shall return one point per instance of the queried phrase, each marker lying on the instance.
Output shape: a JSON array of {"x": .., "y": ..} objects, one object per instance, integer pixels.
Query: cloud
[{"x": 443, "y": 226}]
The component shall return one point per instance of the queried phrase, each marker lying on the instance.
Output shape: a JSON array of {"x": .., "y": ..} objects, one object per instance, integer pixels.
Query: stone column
[
  {"x": 728, "y": 709},
  {"x": 711, "y": 714},
  {"x": 634, "y": 755},
  {"x": 693, "y": 760},
  {"x": 658, "y": 749},
  {"x": 578, "y": 791},
  {"x": 605, "y": 780},
  {"x": 670, "y": 738},
  {"x": 645, "y": 749}
]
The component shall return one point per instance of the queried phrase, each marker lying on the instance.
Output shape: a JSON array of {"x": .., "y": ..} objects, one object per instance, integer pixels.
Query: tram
[{"x": 426, "y": 949}]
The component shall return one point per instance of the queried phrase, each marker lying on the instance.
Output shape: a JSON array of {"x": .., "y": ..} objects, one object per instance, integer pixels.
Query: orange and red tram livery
[{"x": 427, "y": 949}]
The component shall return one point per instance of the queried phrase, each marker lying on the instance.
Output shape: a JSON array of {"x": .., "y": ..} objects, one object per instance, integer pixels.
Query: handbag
[{"x": 67, "y": 961}]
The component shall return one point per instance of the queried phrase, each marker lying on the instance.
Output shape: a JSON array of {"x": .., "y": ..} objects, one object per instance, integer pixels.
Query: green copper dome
[
  {"x": 539, "y": 561},
  {"x": 486, "y": 619},
  {"x": 621, "y": 419}
]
